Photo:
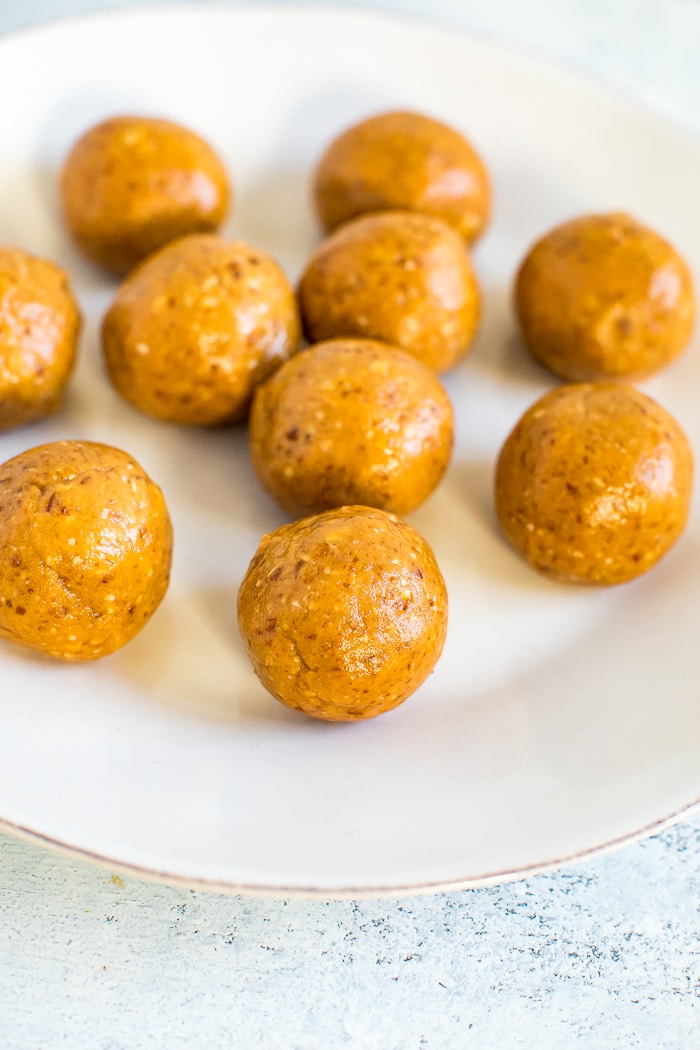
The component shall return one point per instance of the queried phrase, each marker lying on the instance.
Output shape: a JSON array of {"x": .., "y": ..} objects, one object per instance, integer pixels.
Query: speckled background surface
[{"x": 604, "y": 955}]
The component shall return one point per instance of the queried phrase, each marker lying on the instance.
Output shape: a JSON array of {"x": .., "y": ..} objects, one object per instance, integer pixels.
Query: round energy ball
[
  {"x": 399, "y": 277},
  {"x": 403, "y": 161},
  {"x": 351, "y": 421},
  {"x": 87, "y": 547},
  {"x": 603, "y": 297},
  {"x": 195, "y": 328},
  {"x": 594, "y": 483},
  {"x": 39, "y": 328},
  {"x": 131, "y": 184},
  {"x": 343, "y": 614}
]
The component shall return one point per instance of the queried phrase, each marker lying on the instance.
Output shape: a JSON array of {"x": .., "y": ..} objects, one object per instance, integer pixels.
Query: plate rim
[
  {"x": 445, "y": 24},
  {"x": 349, "y": 892}
]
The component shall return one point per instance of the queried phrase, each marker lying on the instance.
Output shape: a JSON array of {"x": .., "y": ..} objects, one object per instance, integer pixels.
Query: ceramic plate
[{"x": 559, "y": 720}]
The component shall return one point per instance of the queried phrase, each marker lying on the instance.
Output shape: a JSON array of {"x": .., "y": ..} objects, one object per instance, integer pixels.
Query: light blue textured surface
[{"x": 605, "y": 955}]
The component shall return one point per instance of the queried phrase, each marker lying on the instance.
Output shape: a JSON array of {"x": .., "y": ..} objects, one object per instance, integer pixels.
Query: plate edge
[
  {"x": 444, "y": 24},
  {"x": 349, "y": 892}
]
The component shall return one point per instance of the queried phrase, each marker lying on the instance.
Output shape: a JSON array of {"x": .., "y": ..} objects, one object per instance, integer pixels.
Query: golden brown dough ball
[
  {"x": 403, "y": 161},
  {"x": 87, "y": 544},
  {"x": 344, "y": 614},
  {"x": 399, "y": 277},
  {"x": 594, "y": 483},
  {"x": 39, "y": 328},
  {"x": 603, "y": 297},
  {"x": 196, "y": 327},
  {"x": 351, "y": 421},
  {"x": 131, "y": 184}
]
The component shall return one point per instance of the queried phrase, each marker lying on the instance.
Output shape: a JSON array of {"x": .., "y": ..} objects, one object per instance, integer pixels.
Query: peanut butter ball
[
  {"x": 343, "y": 614},
  {"x": 39, "y": 328},
  {"x": 351, "y": 421},
  {"x": 603, "y": 297},
  {"x": 594, "y": 483},
  {"x": 131, "y": 184},
  {"x": 195, "y": 328},
  {"x": 403, "y": 161},
  {"x": 87, "y": 546},
  {"x": 398, "y": 277}
]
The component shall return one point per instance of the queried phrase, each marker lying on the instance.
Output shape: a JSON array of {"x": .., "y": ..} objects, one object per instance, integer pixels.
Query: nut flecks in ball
[
  {"x": 131, "y": 184},
  {"x": 403, "y": 161},
  {"x": 593, "y": 485},
  {"x": 397, "y": 277},
  {"x": 604, "y": 297},
  {"x": 40, "y": 325},
  {"x": 351, "y": 421},
  {"x": 194, "y": 329},
  {"x": 343, "y": 614},
  {"x": 87, "y": 548}
]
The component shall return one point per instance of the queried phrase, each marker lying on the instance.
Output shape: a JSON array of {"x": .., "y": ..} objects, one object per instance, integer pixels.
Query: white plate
[{"x": 560, "y": 720}]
